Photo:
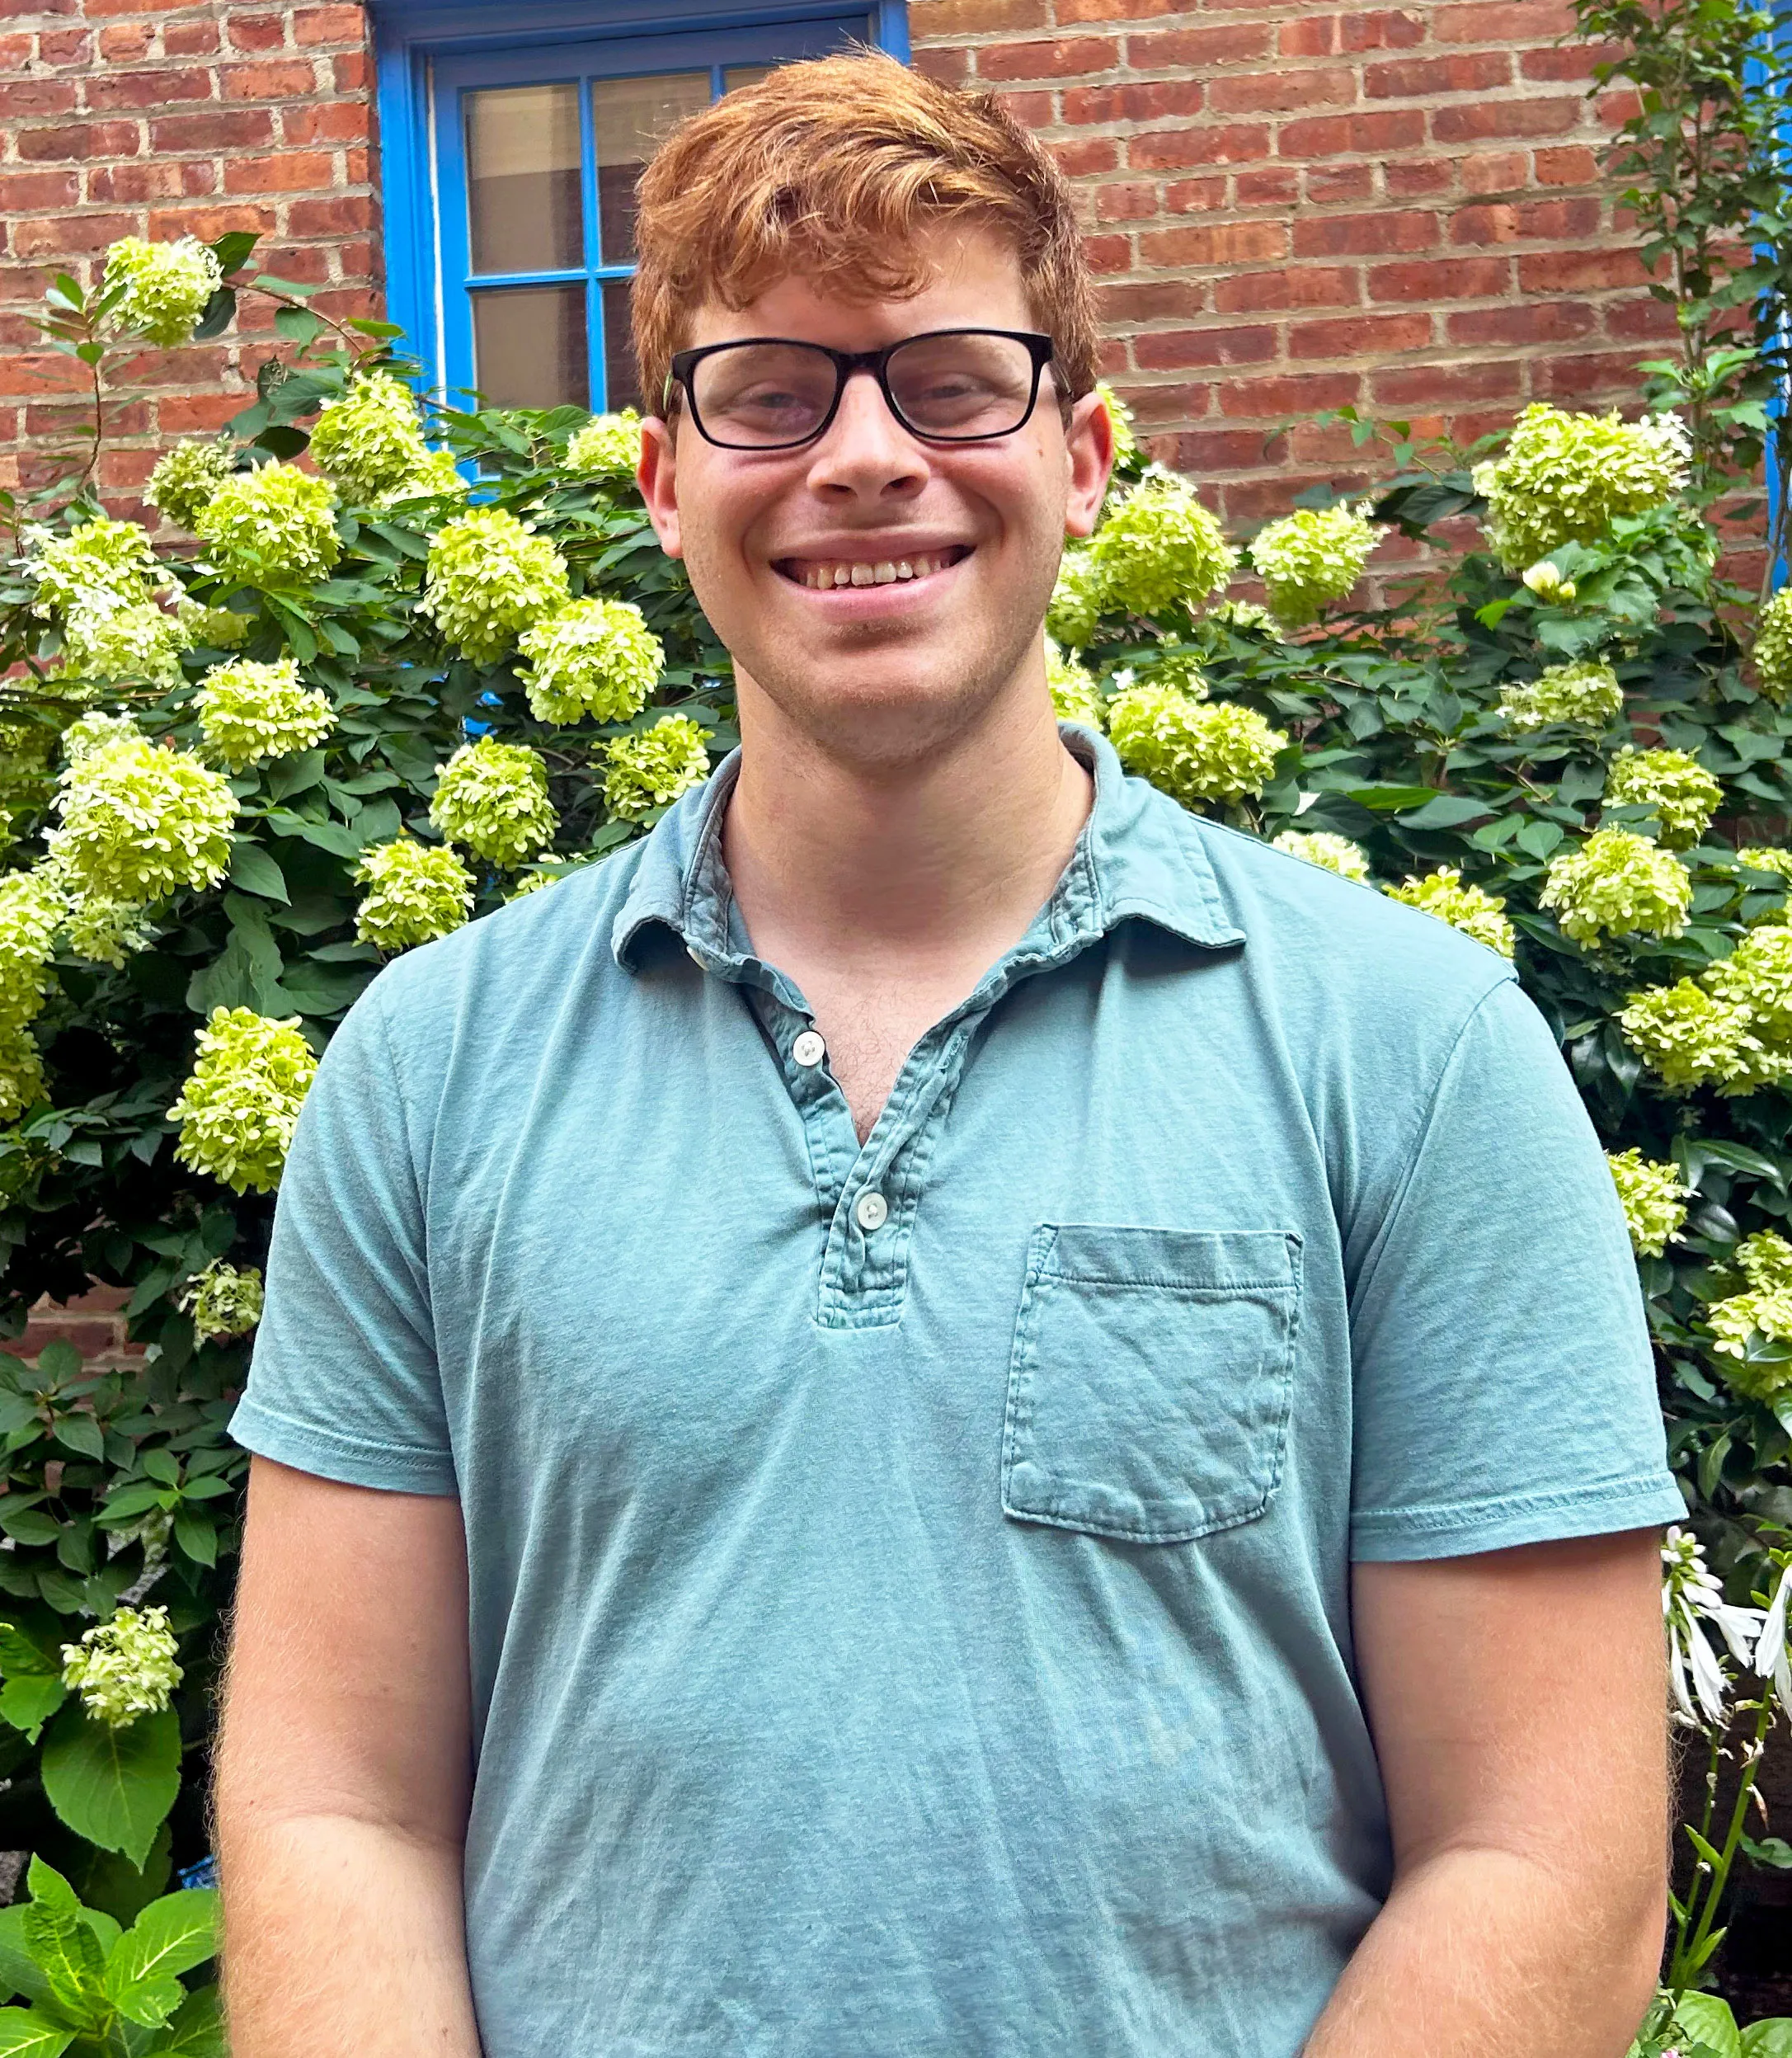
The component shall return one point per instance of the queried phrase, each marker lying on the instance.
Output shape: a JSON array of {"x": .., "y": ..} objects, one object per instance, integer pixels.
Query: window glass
[
  {"x": 745, "y": 75},
  {"x": 622, "y": 375},
  {"x": 530, "y": 346},
  {"x": 629, "y": 117},
  {"x": 523, "y": 200}
]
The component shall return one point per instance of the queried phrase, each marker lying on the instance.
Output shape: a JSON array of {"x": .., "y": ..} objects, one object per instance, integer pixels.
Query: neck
[{"x": 954, "y": 852}]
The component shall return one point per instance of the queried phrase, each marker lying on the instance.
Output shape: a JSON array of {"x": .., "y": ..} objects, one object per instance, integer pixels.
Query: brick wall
[
  {"x": 122, "y": 117},
  {"x": 1293, "y": 208}
]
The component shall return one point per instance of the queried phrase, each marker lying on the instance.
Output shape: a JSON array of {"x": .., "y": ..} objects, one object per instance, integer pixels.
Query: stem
[{"x": 1680, "y": 1974}]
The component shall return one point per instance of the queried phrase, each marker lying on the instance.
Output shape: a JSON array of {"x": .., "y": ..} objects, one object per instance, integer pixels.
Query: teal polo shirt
[{"x": 909, "y": 1603}]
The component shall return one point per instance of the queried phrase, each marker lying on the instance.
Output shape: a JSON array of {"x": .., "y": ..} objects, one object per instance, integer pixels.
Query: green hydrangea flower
[
  {"x": 98, "y": 566},
  {"x": 240, "y": 1102},
  {"x": 1764, "y": 1260},
  {"x": 105, "y": 931},
  {"x": 1074, "y": 696},
  {"x": 1757, "y": 975},
  {"x": 138, "y": 823},
  {"x": 1474, "y": 911},
  {"x": 1311, "y": 557},
  {"x": 1566, "y": 478},
  {"x": 1683, "y": 793},
  {"x": 21, "y": 1074},
  {"x": 274, "y": 526},
  {"x": 654, "y": 767},
  {"x": 187, "y": 478},
  {"x": 210, "y": 627},
  {"x": 124, "y": 1668},
  {"x": 490, "y": 577},
  {"x": 1585, "y": 693},
  {"x": 250, "y": 711},
  {"x": 1734, "y": 1323},
  {"x": 492, "y": 799},
  {"x": 1618, "y": 884},
  {"x": 1772, "y": 651},
  {"x": 608, "y": 447},
  {"x": 1331, "y": 853},
  {"x": 224, "y": 1301},
  {"x": 1654, "y": 1200},
  {"x": 592, "y": 657},
  {"x": 1077, "y": 600},
  {"x": 371, "y": 439},
  {"x": 97, "y": 731},
  {"x": 420, "y": 891},
  {"x": 31, "y": 908},
  {"x": 1689, "y": 1038},
  {"x": 1120, "y": 415},
  {"x": 1158, "y": 547},
  {"x": 139, "y": 643},
  {"x": 1765, "y": 857},
  {"x": 166, "y": 286},
  {"x": 1194, "y": 751},
  {"x": 438, "y": 477}
]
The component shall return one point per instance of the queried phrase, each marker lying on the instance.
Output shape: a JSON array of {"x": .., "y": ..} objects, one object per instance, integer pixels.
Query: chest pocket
[{"x": 1152, "y": 1374}]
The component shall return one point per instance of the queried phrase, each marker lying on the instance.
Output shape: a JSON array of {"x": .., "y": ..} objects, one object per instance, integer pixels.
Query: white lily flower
[
  {"x": 1771, "y": 1659},
  {"x": 1692, "y": 1605}
]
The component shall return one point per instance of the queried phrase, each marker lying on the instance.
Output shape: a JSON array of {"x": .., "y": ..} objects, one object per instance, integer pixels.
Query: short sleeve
[
  {"x": 345, "y": 1382},
  {"x": 1503, "y": 1383}
]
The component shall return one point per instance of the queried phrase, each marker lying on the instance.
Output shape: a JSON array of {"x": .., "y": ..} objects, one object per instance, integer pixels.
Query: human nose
[{"x": 865, "y": 449}]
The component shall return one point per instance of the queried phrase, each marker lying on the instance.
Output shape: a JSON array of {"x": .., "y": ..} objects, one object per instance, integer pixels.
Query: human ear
[
  {"x": 1089, "y": 442},
  {"x": 657, "y": 475}
]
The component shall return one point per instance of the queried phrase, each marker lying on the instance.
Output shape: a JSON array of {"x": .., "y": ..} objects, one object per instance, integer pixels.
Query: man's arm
[
  {"x": 1518, "y": 1702},
  {"x": 343, "y": 1775}
]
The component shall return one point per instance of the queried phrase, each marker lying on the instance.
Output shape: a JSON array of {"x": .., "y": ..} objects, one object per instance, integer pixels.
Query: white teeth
[
  {"x": 862, "y": 575},
  {"x": 904, "y": 569},
  {"x": 884, "y": 572},
  {"x": 824, "y": 577}
]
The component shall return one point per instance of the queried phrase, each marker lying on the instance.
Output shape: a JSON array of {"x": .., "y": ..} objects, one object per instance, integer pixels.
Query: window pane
[
  {"x": 622, "y": 375},
  {"x": 631, "y": 114},
  {"x": 745, "y": 75},
  {"x": 530, "y": 348},
  {"x": 523, "y": 179}
]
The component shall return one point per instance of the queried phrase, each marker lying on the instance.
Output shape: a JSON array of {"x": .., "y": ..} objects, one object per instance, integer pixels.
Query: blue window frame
[{"x": 512, "y": 136}]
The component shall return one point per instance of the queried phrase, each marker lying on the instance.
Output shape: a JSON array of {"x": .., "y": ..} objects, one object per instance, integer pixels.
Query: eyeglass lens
[{"x": 755, "y": 395}]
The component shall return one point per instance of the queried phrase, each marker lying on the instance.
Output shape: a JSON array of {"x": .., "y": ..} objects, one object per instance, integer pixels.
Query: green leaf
[
  {"x": 1769, "y": 1850},
  {"x": 80, "y": 1432},
  {"x": 196, "y": 2032},
  {"x": 174, "y": 1934},
  {"x": 62, "y": 1944},
  {"x": 1771, "y": 2038},
  {"x": 22, "y": 1658},
  {"x": 298, "y": 325},
  {"x": 24, "y": 2033},
  {"x": 1446, "y": 811},
  {"x": 20, "y": 1972},
  {"x": 113, "y": 1786},
  {"x": 232, "y": 249},
  {"x": 28, "y": 1702},
  {"x": 197, "y": 1536},
  {"x": 215, "y": 316},
  {"x": 252, "y": 869},
  {"x": 297, "y": 288},
  {"x": 1711, "y": 2020}
]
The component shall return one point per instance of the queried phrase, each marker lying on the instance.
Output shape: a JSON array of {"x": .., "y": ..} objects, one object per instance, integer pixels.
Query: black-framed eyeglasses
[{"x": 773, "y": 393}]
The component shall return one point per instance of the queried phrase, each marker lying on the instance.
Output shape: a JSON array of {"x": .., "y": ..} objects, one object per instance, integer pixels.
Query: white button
[
  {"x": 873, "y": 1211},
  {"x": 808, "y": 1048}
]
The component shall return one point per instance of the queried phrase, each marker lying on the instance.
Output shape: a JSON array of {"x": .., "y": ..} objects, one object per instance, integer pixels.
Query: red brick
[
  {"x": 1360, "y": 335},
  {"x": 65, "y": 47},
  {"x": 948, "y": 19},
  {"x": 1150, "y": 101},
  {"x": 1330, "y": 185},
  {"x": 123, "y": 40},
  {"x": 353, "y": 71},
  {"x": 267, "y": 82},
  {"x": 326, "y": 121},
  {"x": 1304, "y": 286},
  {"x": 233, "y": 129},
  {"x": 1177, "y": 349},
  {"x": 1496, "y": 171},
  {"x": 257, "y": 31},
  {"x": 91, "y": 1339},
  {"x": 1252, "y": 93},
  {"x": 1442, "y": 278},
  {"x": 158, "y": 179},
  {"x": 67, "y": 235},
  {"x": 1206, "y": 451},
  {"x": 1639, "y": 320},
  {"x": 21, "y": 192},
  {"x": 1152, "y": 300},
  {"x": 25, "y": 375},
  {"x": 1220, "y": 243},
  {"x": 1225, "y": 43},
  {"x": 1174, "y": 148},
  {"x": 1469, "y": 123},
  {"x": 1349, "y": 135},
  {"x": 284, "y": 172},
  {"x": 1413, "y": 178},
  {"x": 1584, "y": 378},
  {"x": 948, "y": 67},
  {"x": 1085, "y": 154},
  {"x": 1032, "y": 111},
  {"x": 148, "y": 89},
  {"x": 208, "y": 224},
  {"x": 330, "y": 25},
  {"x": 1494, "y": 224},
  {"x": 1578, "y": 270},
  {"x": 196, "y": 414},
  {"x": 1069, "y": 13},
  {"x": 1108, "y": 253},
  {"x": 1063, "y": 58},
  {"x": 1272, "y": 186},
  {"x": 354, "y": 260},
  {"x": 1573, "y": 60},
  {"x": 1363, "y": 235},
  {"x": 1572, "y": 164},
  {"x": 1533, "y": 21},
  {"x": 1316, "y": 36},
  {"x": 1410, "y": 385},
  {"x": 62, "y": 144},
  {"x": 36, "y": 96},
  {"x": 1398, "y": 30},
  {"x": 340, "y": 216},
  {"x": 1525, "y": 322},
  {"x": 1125, "y": 201},
  {"x": 1561, "y": 219},
  {"x": 1424, "y": 77},
  {"x": 1293, "y": 392},
  {"x": 189, "y": 38}
]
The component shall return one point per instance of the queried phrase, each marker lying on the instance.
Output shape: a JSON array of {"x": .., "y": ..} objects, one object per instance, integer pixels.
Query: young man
[{"x": 941, "y": 1411}]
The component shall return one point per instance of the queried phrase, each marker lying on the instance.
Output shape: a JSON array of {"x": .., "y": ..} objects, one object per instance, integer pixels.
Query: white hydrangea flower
[
  {"x": 138, "y": 822},
  {"x": 370, "y": 439},
  {"x": 1074, "y": 696},
  {"x": 1772, "y": 649},
  {"x": 1653, "y": 1198},
  {"x": 1617, "y": 884},
  {"x": 491, "y": 798},
  {"x": 1683, "y": 793},
  {"x": 187, "y": 476},
  {"x": 1473, "y": 910},
  {"x": 1194, "y": 751},
  {"x": 1586, "y": 694},
  {"x": 166, "y": 286},
  {"x": 240, "y": 1105},
  {"x": 125, "y": 1668},
  {"x": 250, "y": 711},
  {"x": 1120, "y": 416},
  {"x": 653, "y": 767},
  {"x": 223, "y": 1301},
  {"x": 1689, "y": 1038},
  {"x": 1565, "y": 477},
  {"x": 608, "y": 447},
  {"x": 490, "y": 577},
  {"x": 98, "y": 566},
  {"x": 1321, "y": 847},
  {"x": 139, "y": 643},
  {"x": 1157, "y": 546},
  {"x": 1311, "y": 557},
  {"x": 274, "y": 526},
  {"x": 416, "y": 892},
  {"x": 592, "y": 657}
]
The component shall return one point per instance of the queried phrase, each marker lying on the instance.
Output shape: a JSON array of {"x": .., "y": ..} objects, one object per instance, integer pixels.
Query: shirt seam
[
  {"x": 1435, "y": 1516},
  {"x": 430, "y": 1454}
]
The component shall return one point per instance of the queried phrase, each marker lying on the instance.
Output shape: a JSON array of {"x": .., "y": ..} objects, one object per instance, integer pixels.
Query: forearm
[
  {"x": 1482, "y": 1953},
  {"x": 342, "y": 1939}
]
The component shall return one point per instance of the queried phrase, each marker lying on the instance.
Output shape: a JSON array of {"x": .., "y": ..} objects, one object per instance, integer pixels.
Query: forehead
[{"x": 971, "y": 276}]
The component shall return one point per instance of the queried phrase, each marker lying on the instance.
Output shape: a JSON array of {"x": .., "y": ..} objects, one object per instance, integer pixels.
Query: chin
[{"x": 883, "y": 718}]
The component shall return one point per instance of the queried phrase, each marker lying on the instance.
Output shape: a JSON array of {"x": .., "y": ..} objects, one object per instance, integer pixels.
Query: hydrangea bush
[{"x": 440, "y": 660}]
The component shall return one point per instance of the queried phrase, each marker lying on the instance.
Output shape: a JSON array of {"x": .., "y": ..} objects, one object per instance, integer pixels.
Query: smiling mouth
[{"x": 822, "y": 574}]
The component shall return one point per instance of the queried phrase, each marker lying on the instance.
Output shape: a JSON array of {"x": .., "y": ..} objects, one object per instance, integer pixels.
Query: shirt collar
[{"x": 1139, "y": 855}]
